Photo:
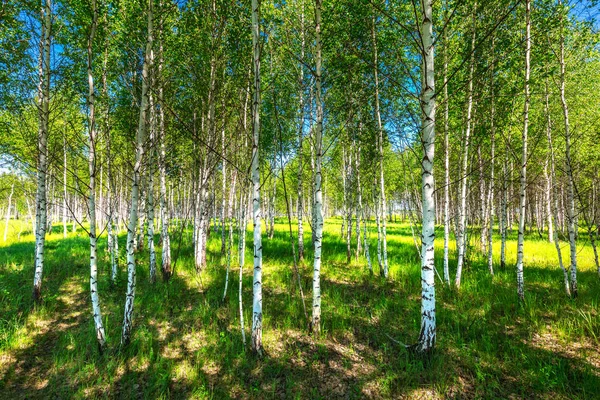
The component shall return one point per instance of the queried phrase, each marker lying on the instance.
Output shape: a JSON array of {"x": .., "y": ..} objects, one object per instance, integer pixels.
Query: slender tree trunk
[
  {"x": 164, "y": 217},
  {"x": 548, "y": 201},
  {"x": 523, "y": 187},
  {"x": 427, "y": 335},
  {"x": 97, "y": 313},
  {"x": 139, "y": 153},
  {"x": 446, "y": 165},
  {"x": 64, "y": 210},
  {"x": 223, "y": 186},
  {"x": 12, "y": 190},
  {"x": 257, "y": 278},
  {"x": 461, "y": 242},
  {"x": 381, "y": 237},
  {"x": 318, "y": 195},
  {"x": 44, "y": 116},
  {"x": 230, "y": 239},
  {"x": 553, "y": 192},
  {"x": 241, "y": 258},
  {"x": 359, "y": 198},
  {"x": 492, "y": 162},
  {"x": 300, "y": 140},
  {"x": 571, "y": 218},
  {"x": 150, "y": 188}
]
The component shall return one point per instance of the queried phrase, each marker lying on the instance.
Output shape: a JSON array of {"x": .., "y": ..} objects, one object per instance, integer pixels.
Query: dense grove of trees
[{"x": 220, "y": 112}]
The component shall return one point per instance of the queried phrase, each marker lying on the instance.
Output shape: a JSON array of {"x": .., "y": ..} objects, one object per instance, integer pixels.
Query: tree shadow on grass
[{"x": 187, "y": 343}]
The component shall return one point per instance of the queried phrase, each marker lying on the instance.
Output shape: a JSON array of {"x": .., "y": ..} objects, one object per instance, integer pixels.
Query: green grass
[{"x": 187, "y": 343}]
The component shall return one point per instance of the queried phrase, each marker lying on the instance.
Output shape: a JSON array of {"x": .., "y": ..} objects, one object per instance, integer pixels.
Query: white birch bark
[
  {"x": 571, "y": 217},
  {"x": 492, "y": 162},
  {"x": 446, "y": 166},
  {"x": 97, "y": 313},
  {"x": 44, "y": 115},
  {"x": 504, "y": 206},
  {"x": 382, "y": 236},
  {"x": 427, "y": 336},
  {"x": 461, "y": 241},
  {"x": 139, "y": 153},
  {"x": 164, "y": 217},
  {"x": 223, "y": 188},
  {"x": 241, "y": 258},
  {"x": 359, "y": 198},
  {"x": 10, "y": 196},
  {"x": 150, "y": 187},
  {"x": 257, "y": 276},
  {"x": 230, "y": 239},
  {"x": 553, "y": 194},
  {"x": 523, "y": 177},
  {"x": 64, "y": 208},
  {"x": 318, "y": 196},
  {"x": 300, "y": 210}
]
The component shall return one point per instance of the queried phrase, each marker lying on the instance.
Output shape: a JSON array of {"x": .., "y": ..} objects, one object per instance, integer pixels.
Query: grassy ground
[{"x": 187, "y": 343}]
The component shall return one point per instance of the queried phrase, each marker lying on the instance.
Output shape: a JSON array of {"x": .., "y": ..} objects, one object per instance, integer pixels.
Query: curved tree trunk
[
  {"x": 100, "y": 336},
  {"x": 133, "y": 213}
]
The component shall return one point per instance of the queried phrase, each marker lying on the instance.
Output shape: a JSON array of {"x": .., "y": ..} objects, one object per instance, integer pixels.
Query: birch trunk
[
  {"x": 446, "y": 166},
  {"x": 12, "y": 190},
  {"x": 230, "y": 239},
  {"x": 318, "y": 227},
  {"x": 97, "y": 313},
  {"x": 381, "y": 237},
  {"x": 359, "y": 199},
  {"x": 150, "y": 189},
  {"x": 241, "y": 259},
  {"x": 257, "y": 277},
  {"x": 44, "y": 116},
  {"x": 300, "y": 140},
  {"x": 64, "y": 210},
  {"x": 492, "y": 162},
  {"x": 427, "y": 335},
  {"x": 461, "y": 242},
  {"x": 523, "y": 178},
  {"x": 139, "y": 153},
  {"x": 571, "y": 218},
  {"x": 553, "y": 193},
  {"x": 164, "y": 217}
]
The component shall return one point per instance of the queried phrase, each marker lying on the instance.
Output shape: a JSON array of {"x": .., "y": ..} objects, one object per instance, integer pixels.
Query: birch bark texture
[
  {"x": 92, "y": 141},
  {"x": 427, "y": 335},
  {"x": 318, "y": 195},
  {"x": 44, "y": 116},
  {"x": 135, "y": 189},
  {"x": 571, "y": 218},
  {"x": 523, "y": 175},
  {"x": 461, "y": 240},
  {"x": 256, "y": 214}
]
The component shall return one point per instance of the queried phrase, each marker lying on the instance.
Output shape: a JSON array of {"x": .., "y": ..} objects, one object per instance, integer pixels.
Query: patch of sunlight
[
  {"x": 185, "y": 372},
  {"x": 424, "y": 393}
]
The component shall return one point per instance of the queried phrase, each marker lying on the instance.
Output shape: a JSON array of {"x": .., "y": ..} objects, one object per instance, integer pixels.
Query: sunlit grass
[{"x": 187, "y": 343}]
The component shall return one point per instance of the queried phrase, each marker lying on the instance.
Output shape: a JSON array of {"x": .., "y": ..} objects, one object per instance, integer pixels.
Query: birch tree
[
  {"x": 257, "y": 278},
  {"x": 42, "y": 146},
  {"x": 523, "y": 175},
  {"x": 97, "y": 313},
  {"x": 139, "y": 153},
  {"x": 427, "y": 336},
  {"x": 318, "y": 195}
]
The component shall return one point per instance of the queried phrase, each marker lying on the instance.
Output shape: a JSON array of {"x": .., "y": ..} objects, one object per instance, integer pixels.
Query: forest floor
[{"x": 187, "y": 342}]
